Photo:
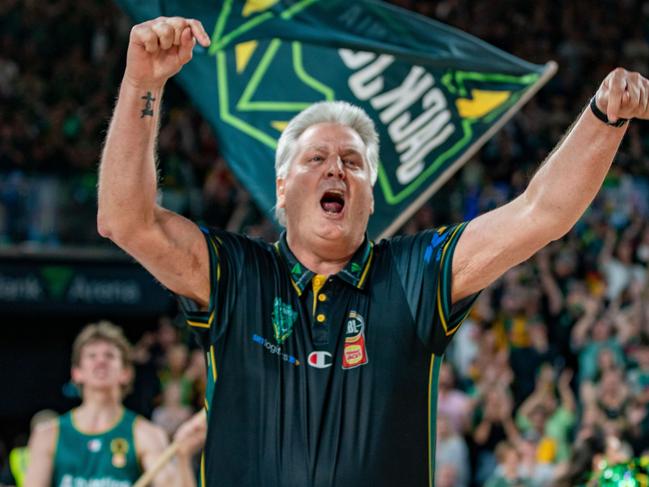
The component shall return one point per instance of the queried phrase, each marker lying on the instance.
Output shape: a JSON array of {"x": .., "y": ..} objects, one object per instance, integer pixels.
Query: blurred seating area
[{"x": 61, "y": 63}]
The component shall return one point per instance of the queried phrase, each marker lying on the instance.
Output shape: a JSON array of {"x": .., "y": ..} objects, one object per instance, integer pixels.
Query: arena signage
[{"x": 37, "y": 286}]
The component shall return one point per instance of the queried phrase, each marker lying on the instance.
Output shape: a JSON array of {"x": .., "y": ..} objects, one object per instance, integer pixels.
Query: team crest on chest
[
  {"x": 354, "y": 352},
  {"x": 119, "y": 449},
  {"x": 283, "y": 318}
]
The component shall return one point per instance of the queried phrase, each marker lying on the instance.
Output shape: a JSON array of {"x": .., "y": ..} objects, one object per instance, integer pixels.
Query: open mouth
[{"x": 333, "y": 202}]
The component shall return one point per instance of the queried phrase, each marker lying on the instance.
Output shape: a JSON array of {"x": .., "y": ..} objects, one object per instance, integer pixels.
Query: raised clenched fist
[
  {"x": 159, "y": 48},
  {"x": 624, "y": 94}
]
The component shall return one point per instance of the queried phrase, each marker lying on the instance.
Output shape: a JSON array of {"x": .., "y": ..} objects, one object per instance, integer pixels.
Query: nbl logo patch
[{"x": 354, "y": 352}]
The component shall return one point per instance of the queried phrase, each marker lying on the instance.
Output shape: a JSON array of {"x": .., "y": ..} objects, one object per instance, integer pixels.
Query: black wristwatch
[{"x": 602, "y": 116}]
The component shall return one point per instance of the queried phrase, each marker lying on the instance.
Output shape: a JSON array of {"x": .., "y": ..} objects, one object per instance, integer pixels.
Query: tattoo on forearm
[{"x": 148, "y": 107}]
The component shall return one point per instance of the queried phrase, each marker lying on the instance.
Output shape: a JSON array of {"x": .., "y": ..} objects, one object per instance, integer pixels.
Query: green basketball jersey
[{"x": 106, "y": 459}]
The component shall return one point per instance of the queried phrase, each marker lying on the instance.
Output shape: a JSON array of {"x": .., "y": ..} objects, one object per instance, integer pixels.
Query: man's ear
[
  {"x": 280, "y": 192},
  {"x": 372, "y": 204},
  {"x": 76, "y": 375},
  {"x": 127, "y": 376}
]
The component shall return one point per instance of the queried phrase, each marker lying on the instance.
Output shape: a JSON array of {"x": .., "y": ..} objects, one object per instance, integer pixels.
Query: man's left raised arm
[{"x": 557, "y": 195}]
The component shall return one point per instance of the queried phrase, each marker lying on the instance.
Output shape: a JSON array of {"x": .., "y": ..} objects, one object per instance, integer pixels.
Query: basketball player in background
[{"x": 101, "y": 441}]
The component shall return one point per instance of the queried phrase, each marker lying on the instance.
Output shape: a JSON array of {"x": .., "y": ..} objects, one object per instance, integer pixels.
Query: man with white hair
[{"x": 323, "y": 349}]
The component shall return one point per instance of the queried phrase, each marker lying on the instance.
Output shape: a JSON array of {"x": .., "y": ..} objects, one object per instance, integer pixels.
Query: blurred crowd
[
  {"x": 61, "y": 63},
  {"x": 546, "y": 383},
  {"x": 60, "y": 66}
]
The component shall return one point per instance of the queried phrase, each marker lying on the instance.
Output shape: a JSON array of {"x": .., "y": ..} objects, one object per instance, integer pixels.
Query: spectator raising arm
[
  {"x": 549, "y": 283},
  {"x": 582, "y": 327},
  {"x": 567, "y": 397},
  {"x": 168, "y": 245}
]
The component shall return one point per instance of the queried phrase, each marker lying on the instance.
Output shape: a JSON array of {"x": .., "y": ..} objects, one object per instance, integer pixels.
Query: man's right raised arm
[{"x": 168, "y": 245}]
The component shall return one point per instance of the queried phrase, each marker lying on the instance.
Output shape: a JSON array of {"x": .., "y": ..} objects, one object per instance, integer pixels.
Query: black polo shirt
[{"x": 319, "y": 381}]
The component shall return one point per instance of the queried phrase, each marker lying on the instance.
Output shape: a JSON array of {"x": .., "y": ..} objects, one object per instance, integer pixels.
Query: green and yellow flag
[{"x": 436, "y": 93}]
